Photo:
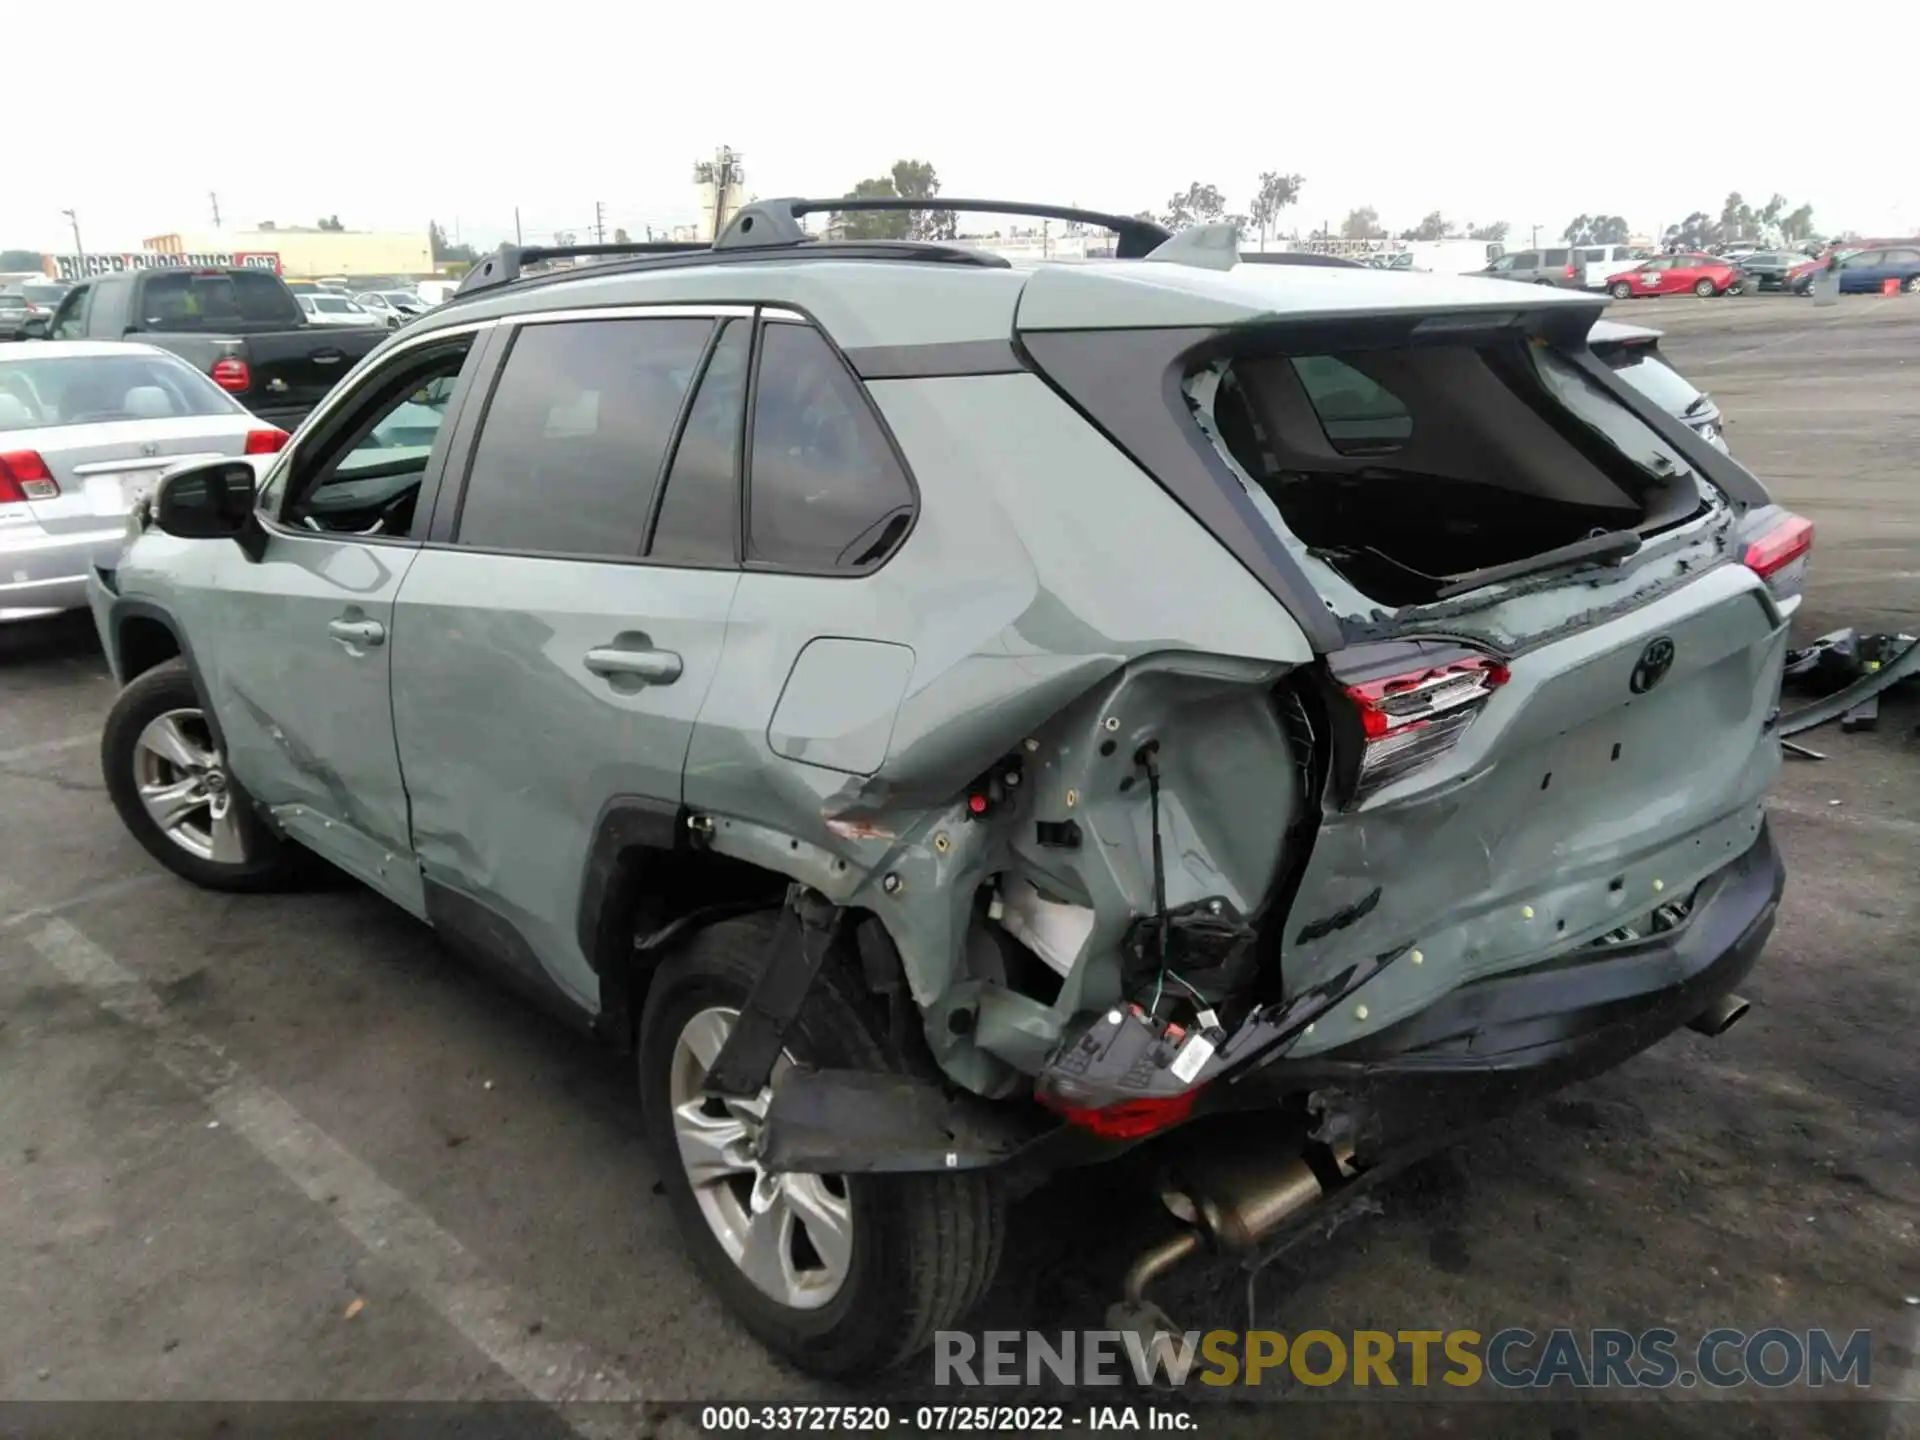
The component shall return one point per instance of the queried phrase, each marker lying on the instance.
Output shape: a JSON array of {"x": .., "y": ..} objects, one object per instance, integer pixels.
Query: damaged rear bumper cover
[{"x": 1473, "y": 1054}]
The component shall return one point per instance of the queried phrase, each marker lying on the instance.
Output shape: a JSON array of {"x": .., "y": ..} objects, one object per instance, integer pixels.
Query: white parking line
[
  {"x": 46, "y": 748},
  {"x": 112, "y": 890},
  {"x": 438, "y": 1268}
]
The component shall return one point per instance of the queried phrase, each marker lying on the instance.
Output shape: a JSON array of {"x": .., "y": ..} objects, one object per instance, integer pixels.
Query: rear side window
[
  {"x": 1589, "y": 257},
  {"x": 1556, "y": 257},
  {"x": 825, "y": 491},
  {"x": 700, "y": 510},
  {"x": 1359, "y": 415},
  {"x": 182, "y": 300},
  {"x": 574, "y": 436},
  {"x": 1527, "y": 260}
]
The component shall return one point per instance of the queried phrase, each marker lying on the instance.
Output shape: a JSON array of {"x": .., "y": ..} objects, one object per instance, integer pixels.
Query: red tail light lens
[
  {"x": 265, "y": 442},
  {"x": 24, "y": 476},
  {"x": 1130, "y": 1119},
  {"x": 1572, "y": 271},
  {"x": 1409, "y": 719},
  {"x": 1789, "y": 540},
  {"x": 232, "y": 375}
]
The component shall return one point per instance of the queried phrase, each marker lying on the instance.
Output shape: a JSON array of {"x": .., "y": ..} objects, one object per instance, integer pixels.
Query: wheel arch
[{"x": 146, "y": 635}]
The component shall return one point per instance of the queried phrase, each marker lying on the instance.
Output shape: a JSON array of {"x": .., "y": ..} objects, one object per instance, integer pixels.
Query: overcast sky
[{"x": 389, "y": 115}]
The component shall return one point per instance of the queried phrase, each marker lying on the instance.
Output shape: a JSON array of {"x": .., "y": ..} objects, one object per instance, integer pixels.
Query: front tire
[
  {"x": 842, "y": 1276},
  {"x": 1621, "y": 290},
  {"x": 168, "y": 779},
  {"x": 1912, "y": 287}
]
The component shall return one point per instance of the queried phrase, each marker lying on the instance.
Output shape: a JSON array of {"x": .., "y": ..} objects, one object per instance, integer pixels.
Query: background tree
[
  {"x": 1797, "y": 225},
  {"x": 620, "y": 236},
  {"x": 1362, "y": 224},
  {"x": 443, "y": 249},
  {"x": 21, "y": 260},
  {"x": 1198, "y": 204},
  {"x": 1433, "y": 227},
  {"x": 916, "y": 180},
  {"x": 1696, "y": 232},
  {"x": 872, "y": 224},
  {"x": 909, "y": 180},
  {"x": 1275, "y": 194},
  {"x": 1497, "y": 231},
  {"x": 1598, "y": 230},
  {"x": 330, "y": 222}
]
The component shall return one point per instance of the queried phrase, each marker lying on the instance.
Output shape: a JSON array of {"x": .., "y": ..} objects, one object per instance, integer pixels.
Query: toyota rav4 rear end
[{"x": 1504, "y": 830}]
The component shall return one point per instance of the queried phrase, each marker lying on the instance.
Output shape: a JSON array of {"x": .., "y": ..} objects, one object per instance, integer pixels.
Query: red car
[{"x": 1700, "y": 275}]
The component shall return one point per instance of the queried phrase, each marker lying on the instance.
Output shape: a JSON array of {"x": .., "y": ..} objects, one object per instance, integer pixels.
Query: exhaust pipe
[
  {"x": 1231, "y": 1202},
  {"x": 1721, "y": 1016}
]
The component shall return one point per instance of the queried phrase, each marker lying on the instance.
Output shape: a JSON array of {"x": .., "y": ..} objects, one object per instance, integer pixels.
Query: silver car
[
  {"x": 952, "y": 721},
  {"x": 86, "y": 429}
]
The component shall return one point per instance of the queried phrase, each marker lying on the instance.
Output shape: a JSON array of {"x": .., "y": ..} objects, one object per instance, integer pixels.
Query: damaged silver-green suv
[{"x": 955, "y": 721}]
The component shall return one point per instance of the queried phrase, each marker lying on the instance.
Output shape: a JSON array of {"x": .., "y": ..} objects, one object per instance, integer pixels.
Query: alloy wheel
[
  {"x": 790, "y": 1235},
  {"x": 182, "y": 781}
]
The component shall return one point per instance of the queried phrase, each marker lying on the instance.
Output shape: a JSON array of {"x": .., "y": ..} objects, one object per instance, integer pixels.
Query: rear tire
[
  {"x": 1621, "y": 290},
  {"x": 922, "y": 1250},
  {"x": 1703, "y": 288},
  {"x": 161, "y": 764}
]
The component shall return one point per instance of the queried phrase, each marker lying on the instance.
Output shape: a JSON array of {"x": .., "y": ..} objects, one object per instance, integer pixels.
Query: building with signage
[{"x": 307, "y": 252}]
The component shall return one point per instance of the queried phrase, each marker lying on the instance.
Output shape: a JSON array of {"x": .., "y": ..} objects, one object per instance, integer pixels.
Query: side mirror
[
  {"x": 34, "y": 328},
  {"x": 213, "y": 501}
]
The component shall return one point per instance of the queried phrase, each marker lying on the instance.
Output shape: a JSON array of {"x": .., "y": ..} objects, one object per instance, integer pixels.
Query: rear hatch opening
[{"x": 1420, "y": 467}]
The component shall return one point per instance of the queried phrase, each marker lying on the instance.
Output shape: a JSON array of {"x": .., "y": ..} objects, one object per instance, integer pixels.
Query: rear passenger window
[
  {"x": 1359, "y": 415},
  {"x": 1556, "y": 257},
  {"x": 700, "y": 511},
  {"x": 825, "y": 491},
  {"x": 574, "y": 436}
]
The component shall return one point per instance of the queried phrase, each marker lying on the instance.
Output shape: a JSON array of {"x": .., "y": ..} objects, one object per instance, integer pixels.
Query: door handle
[
  {"x": 358, "y": 632},
  {"x": 651, "y": 667}
]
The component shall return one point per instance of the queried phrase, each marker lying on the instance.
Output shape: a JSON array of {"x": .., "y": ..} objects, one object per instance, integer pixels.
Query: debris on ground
[
  {"x": 1849, "y": 671},
  {"x": 355, "y": 1308}
]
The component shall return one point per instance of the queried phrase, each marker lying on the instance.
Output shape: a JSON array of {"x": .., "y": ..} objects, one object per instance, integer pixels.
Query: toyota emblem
[{"x": 1653, "y": 665}]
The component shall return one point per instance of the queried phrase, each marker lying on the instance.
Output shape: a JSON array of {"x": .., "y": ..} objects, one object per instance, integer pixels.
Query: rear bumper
[
  {"x": 1494, "y": 1043},
  {"x": 42, "y": 574}
]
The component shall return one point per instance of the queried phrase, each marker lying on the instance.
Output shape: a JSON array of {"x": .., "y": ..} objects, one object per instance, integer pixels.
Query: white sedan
[
  {"x": 86, "y": 429},
  {"x": 324, "y": 309}
]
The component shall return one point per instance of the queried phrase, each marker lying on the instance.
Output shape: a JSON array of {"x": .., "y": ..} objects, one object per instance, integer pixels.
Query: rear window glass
[
  {"x": 186, "y": 301},
  {"x": 1359, "y": 415},
  {"x": 88, "y": 389},
  {"x": 1654, "y": 378}
]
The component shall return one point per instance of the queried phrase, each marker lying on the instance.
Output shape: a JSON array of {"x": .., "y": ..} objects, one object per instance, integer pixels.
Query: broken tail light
[
  {"x": 232, "y": 375},
  {"x": 24, "y": 476},
  {"x": 1778, "y": 554},
  {"x": 1410, "y": 718},
  {"x": 1128, "y": 1119}
]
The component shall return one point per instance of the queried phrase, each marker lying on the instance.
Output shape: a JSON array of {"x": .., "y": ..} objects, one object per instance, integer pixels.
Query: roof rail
[
  {"x": 777, "y": 222},
  {"x": 509, "y": 262}
]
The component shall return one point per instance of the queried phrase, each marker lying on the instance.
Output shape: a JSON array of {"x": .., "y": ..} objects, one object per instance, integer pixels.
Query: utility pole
[
  {"x": 215, "y": 200},
  {"x": 516, "y": 226},
  {"x": 78, "y": 249},
  {"x": 599, "y": 223}
]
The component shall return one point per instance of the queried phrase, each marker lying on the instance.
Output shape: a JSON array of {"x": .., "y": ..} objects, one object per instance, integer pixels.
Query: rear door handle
[
  {"x": 652, "y": 667},
  {"x": 358, "y": 632}
]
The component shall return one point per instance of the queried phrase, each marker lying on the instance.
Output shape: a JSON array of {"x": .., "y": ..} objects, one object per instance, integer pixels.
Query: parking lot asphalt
[{"x": 286, "y": 1148}]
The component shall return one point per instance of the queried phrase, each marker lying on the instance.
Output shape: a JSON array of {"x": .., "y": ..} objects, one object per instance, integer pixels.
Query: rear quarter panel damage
[{"x": 1044, "y": 565}]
